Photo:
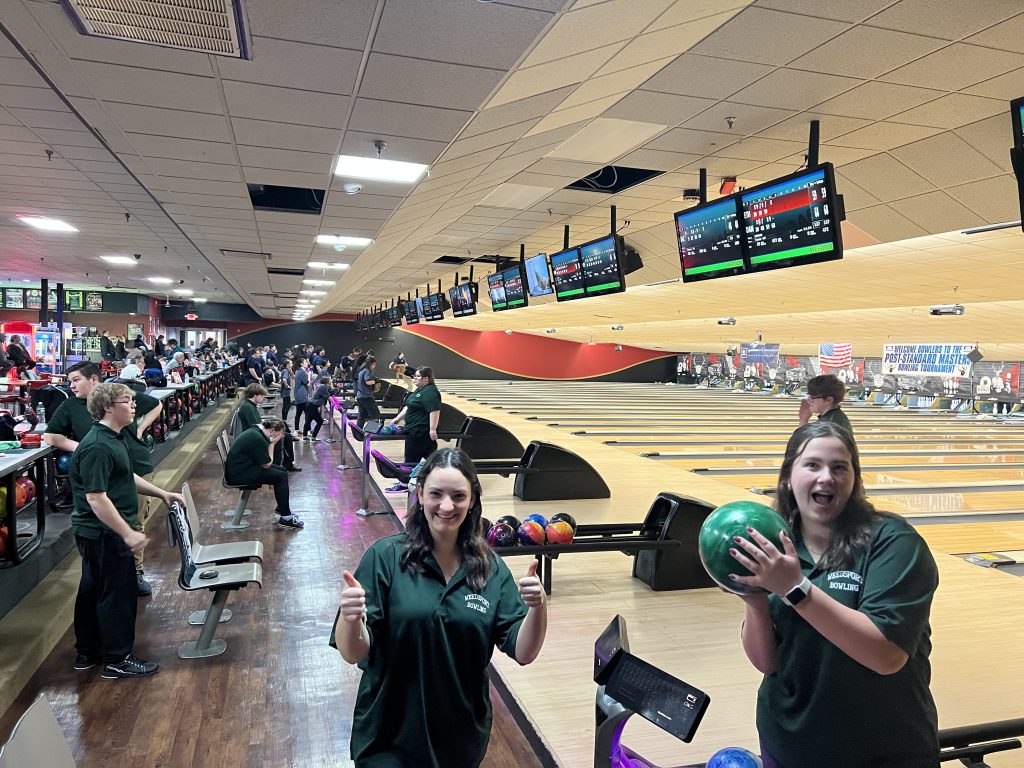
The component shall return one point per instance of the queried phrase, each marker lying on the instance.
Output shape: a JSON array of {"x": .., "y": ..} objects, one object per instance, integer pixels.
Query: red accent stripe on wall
[{"x": 534, "y": 357}]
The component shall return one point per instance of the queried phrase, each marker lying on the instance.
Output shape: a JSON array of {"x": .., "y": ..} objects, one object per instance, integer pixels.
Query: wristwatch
[{"x": 797, "y": 593}]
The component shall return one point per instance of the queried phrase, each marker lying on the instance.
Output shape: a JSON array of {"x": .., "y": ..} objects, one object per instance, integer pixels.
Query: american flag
[{"x": 835, "y": 356}]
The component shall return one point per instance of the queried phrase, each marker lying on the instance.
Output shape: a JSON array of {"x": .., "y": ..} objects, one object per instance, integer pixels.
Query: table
[
  {"x": 11, "y": 464},
  {"x": 161, "y": 395}
]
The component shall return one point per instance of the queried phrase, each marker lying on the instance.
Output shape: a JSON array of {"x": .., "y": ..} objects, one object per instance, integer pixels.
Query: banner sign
[
  {"x": 923, "y": 360},
  {"x": 756, "y": 352}
]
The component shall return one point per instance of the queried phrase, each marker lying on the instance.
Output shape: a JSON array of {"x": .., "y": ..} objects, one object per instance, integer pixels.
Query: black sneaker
[
  {"x": 144, "y": 587},
  {"x": 83, "y": 662},
  {"x": 130, "y": 666},
  {"x": 291, "y": 522},
  {"x": 292, "y": 468}
]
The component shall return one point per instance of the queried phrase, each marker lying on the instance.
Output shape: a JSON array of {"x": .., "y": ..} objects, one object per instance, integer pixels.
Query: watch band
[{"x": 796, "y": 595}]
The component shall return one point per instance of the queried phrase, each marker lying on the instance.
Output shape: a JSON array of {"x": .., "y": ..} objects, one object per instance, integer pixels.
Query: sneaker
[
  {"x": 144, "y": 587},
  {"x": 292, "y": 468},
  {"x": 397, "y": 488},
  {"x": 83, "y": 662},
  {"x": 130, "y": 666},
  {"x": 291, "y": 521}
]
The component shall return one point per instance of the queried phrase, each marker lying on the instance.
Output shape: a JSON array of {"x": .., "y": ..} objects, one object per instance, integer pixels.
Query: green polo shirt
[
  {"x": 73, "y": 420},
  {"x": 420, "y": 404},
  {"x": 837, "y": 417},
  {"x": 246, "y": 457},
  {"x": 101, "y": 463},
  {"x": 820, "y": 707},
  {"x": 423, "y": 698},
  {"x": 248, "y": 415}
]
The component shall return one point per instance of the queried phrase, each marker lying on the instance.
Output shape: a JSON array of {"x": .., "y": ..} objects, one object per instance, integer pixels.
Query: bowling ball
[
  {"x": 3, "y": 542},
  {"x": 564, "y": 517},
  {"x": 3, "y": 503},
  {"x": 64, "y": 463},
  {"x": 158, "y": 431},
  {"x": 716, "y": 539},
  {"x": 559, "y": 532},
  {"x": 485, "y": 526},
  {"x": 387, "y": 429},
  {"x": 530, "y": 533},
  {"x": 190, "y": 412},
  {"x": 734, "y": 757},
  {"x": 29, "y": 487},
  {"x": 20, "y": 496},
  {"x": 510, "y": 520},
  {"x": 538, "y": 519},
  {"x": 501, "y": 535}
]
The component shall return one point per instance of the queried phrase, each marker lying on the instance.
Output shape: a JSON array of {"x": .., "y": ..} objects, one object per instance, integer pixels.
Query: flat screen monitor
[
  {"x": 538, "y": 276},
  {"x": 420, "y": 311},
  {"x": 608, "y": 648},
  {"x": 462, "y": 302},
  {"x": 496, "y": 292},
  {"x": 602, "y": 267},
  {"x": 411, "y": 315},
  {"x": 1017, "y": 119},
  {"x": 567, "y": 275},
  {"x": 394, "y": 316},
  {"x": 433, "y": 307},
  {"x": 515, "y": 287},
  {"x": 792, "y": 221},
  {"x": 710, "y": 240}
]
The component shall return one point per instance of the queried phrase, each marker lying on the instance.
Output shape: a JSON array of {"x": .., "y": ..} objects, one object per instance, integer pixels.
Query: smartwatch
[{"x": 797, "y": 593}]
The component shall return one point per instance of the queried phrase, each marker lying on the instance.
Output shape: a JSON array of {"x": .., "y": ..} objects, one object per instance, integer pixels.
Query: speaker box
[{"x": 975, "y": 356}]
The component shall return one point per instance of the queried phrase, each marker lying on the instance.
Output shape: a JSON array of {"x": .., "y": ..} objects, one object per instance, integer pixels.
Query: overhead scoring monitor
[
  {"x": 538, "y": 276},
  {"x": 411, "y": 315},
  {"x": 567, "y": 275},
  {"x": 710, "y": 240},
  {"x": 602, "y": 267},
  {"x": 461, "y": 298},
  {"x": 515, "y": 287},
  {"x": 496, "y": 292}
]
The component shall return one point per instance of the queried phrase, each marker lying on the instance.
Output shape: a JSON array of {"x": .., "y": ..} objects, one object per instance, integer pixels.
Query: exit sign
[{"x": 191, "y": 316}]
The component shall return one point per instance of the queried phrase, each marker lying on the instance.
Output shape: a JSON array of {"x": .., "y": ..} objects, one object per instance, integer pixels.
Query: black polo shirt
[
  {"x": 837, "y": 417},
  {"x": 101, "y": 463},
  {"x": 420, "y": 404},
  {"x": 246, "y": 457},
  {"x": 73, "y": 420},
  {"x": 248, "y": 415}
]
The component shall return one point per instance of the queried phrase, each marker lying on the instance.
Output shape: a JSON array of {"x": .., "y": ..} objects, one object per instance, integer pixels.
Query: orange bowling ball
[{"x": 559, "y": 532}]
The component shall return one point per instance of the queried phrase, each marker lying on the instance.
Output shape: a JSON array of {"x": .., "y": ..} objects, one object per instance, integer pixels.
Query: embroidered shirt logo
[
  {"x": 477, "y": 603},
  {"x": 845, "y": 581}
]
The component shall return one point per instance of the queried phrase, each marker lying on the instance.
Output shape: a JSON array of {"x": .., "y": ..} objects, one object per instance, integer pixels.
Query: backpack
[{"x": 154, "y": 377}]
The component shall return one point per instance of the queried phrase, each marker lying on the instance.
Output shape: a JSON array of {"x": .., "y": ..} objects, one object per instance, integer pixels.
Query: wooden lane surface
[
  {"x": 965, "y": 538},
  {"x": 694, "y": 635},
  {"x": 919, "y": 478},
  {"x": 906, "y": 463}
]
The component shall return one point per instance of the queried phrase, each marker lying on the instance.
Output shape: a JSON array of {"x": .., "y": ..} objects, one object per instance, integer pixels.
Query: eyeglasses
[{"x": 121, "y": 402}]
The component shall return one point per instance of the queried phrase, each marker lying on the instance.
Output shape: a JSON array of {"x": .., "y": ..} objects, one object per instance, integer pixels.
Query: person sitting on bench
[
  {"x": 249, "y": 416},
  {"x": 249, "y": 463}
]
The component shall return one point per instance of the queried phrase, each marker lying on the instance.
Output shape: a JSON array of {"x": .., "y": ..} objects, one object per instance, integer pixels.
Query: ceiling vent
[
  {"x": 207, "y": 26},
  {"x": 268, "y": 197},
  {"x": 613, "y": 178}
]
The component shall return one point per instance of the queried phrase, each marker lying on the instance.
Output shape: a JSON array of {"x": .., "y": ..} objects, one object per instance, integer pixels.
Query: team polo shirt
[
  {"x": 73, "y": 420},
  {"x": 822, "y": 708},
  {"x": 837, "y": 417},
  {"x": 101, "y": 463},
  {"x": 248, "y": 415},
  {"x": 246, "y": 457},
  {"x": 423, "y": 698},
  {"x": 420, "y": 404}
]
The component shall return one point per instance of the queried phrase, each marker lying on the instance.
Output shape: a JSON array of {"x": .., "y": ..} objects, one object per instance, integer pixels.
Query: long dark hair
[
  {"x": 852, "y": 528},
  {"x": 470, "y": 544}
]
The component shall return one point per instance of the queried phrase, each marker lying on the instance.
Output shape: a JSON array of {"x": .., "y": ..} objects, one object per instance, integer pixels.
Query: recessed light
[
  {"x": 313, "y": 293},
  {"x": 183, "y": 291},
  {"x": 327, "y": 265},
  {"x": 200, "y": 301},
  {"x": 119, "y": 259},
  {"x": 319, "y": 282},
  {"x": 160, "y": 280},
  {"x": 25, "y": 280},
  {"x": 377, "y": 169},
  {"x": 47, "y": 225},
  {"x": 343, "y": 240}
]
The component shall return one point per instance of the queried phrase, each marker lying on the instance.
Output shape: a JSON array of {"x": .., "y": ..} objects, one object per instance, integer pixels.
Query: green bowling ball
[{"x": 716, "y": 539}]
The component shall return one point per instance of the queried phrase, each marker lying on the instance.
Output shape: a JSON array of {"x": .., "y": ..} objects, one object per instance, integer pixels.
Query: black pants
[
  {"x": 286, "y": 405},
  {"x": 367, "y": 410},
  {"x": 300, "y": 410},
  {"x": 284, "y": 451},
  {"x": 418, "y": 447},
  {"x": 314, "y": 416},
  {"x": 108, "y": 598},
  {"x": 278, "y": 478}
]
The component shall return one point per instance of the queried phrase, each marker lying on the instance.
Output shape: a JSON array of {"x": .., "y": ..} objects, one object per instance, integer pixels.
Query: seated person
[
  {"x": 249, "y": 463},
  {"x": 131, "y": 371},
  {"x": 248, "y": 415}
]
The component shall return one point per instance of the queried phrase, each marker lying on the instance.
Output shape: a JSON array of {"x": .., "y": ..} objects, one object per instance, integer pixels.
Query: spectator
[{"x": 249, "y": 463}]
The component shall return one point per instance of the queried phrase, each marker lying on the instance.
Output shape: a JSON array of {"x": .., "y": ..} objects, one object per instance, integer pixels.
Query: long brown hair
[
  {"x": 470, "y": 544},
  {"x": 852, "y": 528}
]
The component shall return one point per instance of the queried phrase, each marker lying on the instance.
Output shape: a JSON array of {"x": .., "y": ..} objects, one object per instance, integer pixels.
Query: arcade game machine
[{"x": 46, "y": 348}]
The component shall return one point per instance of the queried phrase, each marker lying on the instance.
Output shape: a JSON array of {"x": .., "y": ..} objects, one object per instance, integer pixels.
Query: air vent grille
[{"x": 208, "y": 26}]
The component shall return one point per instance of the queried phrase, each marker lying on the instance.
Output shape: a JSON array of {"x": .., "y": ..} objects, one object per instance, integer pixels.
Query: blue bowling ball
[
  {"x": 387, "y": 429},
  {"x": 64, "y": 462},
  {"x": 734, "y": 757},
  {"x": 538, "y": 519}
]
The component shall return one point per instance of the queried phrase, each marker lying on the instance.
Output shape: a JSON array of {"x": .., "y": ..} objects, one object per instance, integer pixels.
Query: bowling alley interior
[{"x": 627, "y": 241}]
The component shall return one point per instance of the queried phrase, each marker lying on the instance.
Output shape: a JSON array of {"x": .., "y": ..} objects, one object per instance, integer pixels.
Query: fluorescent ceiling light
[
  {"x": 119, "y": 259},
  {"x": 326, "y": 265},
  {"x": 319, "y": 282},
  {"x": 183, "y": 291},
  {"x": 377, "y": 169},
  {"x": 343, "y": 240},
  {"x": 197, "y": 300},
  {"x": 160, "y": 280},
  {"x": 47, "y": 225},
  {"x": 313, "y": 293}
]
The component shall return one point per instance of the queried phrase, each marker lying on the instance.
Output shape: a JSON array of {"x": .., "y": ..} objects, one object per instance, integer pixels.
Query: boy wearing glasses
[{"x": 824, "y": 397}]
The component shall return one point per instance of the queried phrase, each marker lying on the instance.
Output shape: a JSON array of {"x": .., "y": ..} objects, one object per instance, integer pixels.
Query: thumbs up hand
[
  {"x": 353, "y": 599},
  {"x": 530, "y": 588}
]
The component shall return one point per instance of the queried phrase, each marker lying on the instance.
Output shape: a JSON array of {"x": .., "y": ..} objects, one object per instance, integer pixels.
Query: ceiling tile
[
  {"x": 399, "y": 147},
  {"x": 794, "y": 89},
  {"x": 656, "y": 160},
  {"x": 1006, "y": 87},
  {"x": 936, "y": 212},
  {"x": 530, "y": 81},
  {"x": 284, "y": 105},
  {"x": 990, "y": 138},
  {"x": 768, "y": 37},
  {"x": 848, "y": 10},
  {"x": 883, "y": 136},
  {"x": 877, "y": 101},
  {"x": 705, "y": 76},
  {"x": 951, "y": 111},
  {"x": 854, "y": 198},
  {"x": 886, "y": 178},
  {"x": 621, "y": 82},
  {"x": 946, "y": 160},
  {"x": 414, "y": 81},
  {"x": 667, "y": 108},
  {"x": 955, "y": 67},
  {"x": 939, "y": 18},
  {"x": 263, "y": 133},
  {"x": 1007, "y": 35},
  {"x": 409, "y": 120},
  {"x": 797, "y": 128},
  {"x": 995, "y": 200},
  {"x": 516, "y": 111},
  {"x": 867, "y": 52},
  {"x": 311, "y": 21},
  {"x": 295, "y": 65},
  {"x": 747, "y": 119},
  {"x": 169, "y": 90},
  {"x": 764, "y": 150},
  {"x": 157, "y": 121}
]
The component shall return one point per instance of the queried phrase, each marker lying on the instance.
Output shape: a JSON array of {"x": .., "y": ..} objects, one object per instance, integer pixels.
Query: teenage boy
[{"x": 824, "y": 397}]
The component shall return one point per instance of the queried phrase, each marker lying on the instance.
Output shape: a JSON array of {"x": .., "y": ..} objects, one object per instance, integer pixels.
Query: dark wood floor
[{"x": 279, "y": 696}]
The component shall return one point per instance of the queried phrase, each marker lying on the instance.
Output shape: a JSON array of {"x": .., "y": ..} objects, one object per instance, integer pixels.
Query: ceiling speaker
[{"x": 975, "y": 356}]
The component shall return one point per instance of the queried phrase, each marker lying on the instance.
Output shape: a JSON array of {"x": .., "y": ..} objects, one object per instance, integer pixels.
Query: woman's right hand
[{"x": 353, "y": 599}]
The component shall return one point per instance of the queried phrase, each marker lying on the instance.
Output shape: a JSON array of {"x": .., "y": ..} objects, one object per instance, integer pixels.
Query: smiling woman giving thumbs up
[{"x": 421, "y": 617}]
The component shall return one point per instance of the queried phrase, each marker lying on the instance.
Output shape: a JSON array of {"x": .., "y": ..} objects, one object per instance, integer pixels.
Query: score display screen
[
  {"x": 461, "y": 299},
  {"x": 411, "y": 315},
  {"x": 567, "y": 275},
  {"x": 433, "y": 309},
  {"x": 496, "y": 291},
  {"x": 791, "y": 221},
  {"x": 394, "y": 316},
  {"x": 602, "y": 272},
  {"x": 515, "y": 288},
  {"x": 710, "y": 241}
]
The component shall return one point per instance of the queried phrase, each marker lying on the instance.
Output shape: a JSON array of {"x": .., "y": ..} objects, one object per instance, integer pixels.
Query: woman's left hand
[
  {"x": 530, "y": 588},
  {"x": 772, "y": 570}
]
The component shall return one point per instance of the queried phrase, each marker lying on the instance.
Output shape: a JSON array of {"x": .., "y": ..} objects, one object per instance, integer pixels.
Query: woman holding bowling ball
[
  {"x": 421, "y": 617},
  {"x": 841, "y": 629}
]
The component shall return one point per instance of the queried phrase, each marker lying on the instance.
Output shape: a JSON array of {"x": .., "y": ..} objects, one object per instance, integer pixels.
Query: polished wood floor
[{"x": 279, "y": 696}]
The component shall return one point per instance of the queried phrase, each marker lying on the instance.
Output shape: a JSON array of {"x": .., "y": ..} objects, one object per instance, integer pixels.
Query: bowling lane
[
  {"x": 883, "y": 479},
  {"x": 894, "y": 461}
]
